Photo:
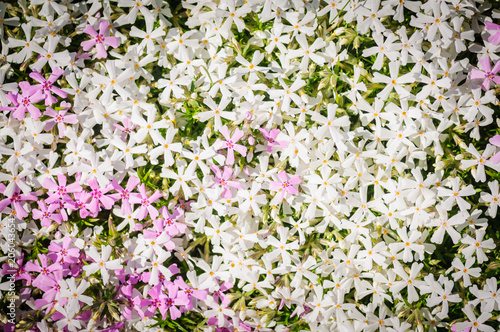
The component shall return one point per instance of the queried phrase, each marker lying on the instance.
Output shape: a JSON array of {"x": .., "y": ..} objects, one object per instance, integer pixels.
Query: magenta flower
[
  {"x": 495, "y": 140},
  {"x": 59, "y": 118},
  {"x": 64, "y": 254},
  {"x": 46, "y": 214},
  {"x": 270, "y": 138},
  {"x": 100, "y": 39},
  {"x": 124, "y": 194},
  {"x": 222, "y": 179},
  {"x": 190, "y": 292},
  {"x": 59, "y": 192},
  {"x": 16, "y": 202},
  {"x": 24, "y": 102},
  {"x": 45, "y": 87},
  {"x": 495, "y": 37},
  {"x": 19, "y": 271},
  {"x": 230, "y": 144},
  {"x": 133, "y": 299},
  {"x": 285, "y": 185},
  {"x": 42, "y": 266},
  {"x": 49, "y": 284},
  {"x": 81, "y": 204},
  {"x": 99, "y": 198},
  {"x": 166, "y": 303},
  {"x": 172, "y": 227},
  {"x": 157, "y": 302},
  {"x": 145, "y": 201},
  {"x": 488, "y": 74},
  {"x": 126, "y": 129}
]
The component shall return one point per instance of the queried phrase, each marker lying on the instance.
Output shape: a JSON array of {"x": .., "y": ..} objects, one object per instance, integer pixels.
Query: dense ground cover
[{"x": 250, "y": 165}]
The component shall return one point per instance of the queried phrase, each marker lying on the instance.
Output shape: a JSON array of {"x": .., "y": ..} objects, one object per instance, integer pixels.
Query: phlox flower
[
  {"x": 475, "y": 323},
  {"x": 74, "y": 293},
  {"x": 46, "y": 87},
  {"x": 64, "y": 253},
  {"x": 476, "y": 245},
  {"x": 223, "y": 179},
  {"x": 59, "y": 118},
  {"x": 285, "y": 185},
  {"x": 46, "y": 214},
  {"x": 16, "y": 201},
  {"x": 124, "y": 194},
  {"x": 42, "y": 266},
  {"x": 145, "y": 201},
  {"x": 60, "y": 191},
  {"x": 23, "y": 102},
  {"x": 172, "y": 222},
  {"x": 488, "y": 74},
  {"x": 166, "y": 303},
  {"x": 101, "y": 262},
  {"x": 101, "y": 39},
  {"x": 98, "y": 196},
  {"x": 230, "y": 144},
  {"x": 270, "y": 137},
  {"x": 81, "y": 204}
]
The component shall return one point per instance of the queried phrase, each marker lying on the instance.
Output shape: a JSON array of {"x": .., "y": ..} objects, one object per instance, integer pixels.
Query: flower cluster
[{"x": 251, "y": 165}]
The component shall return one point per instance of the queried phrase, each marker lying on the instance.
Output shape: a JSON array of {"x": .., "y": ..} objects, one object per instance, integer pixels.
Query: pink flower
[
  {"x": 285, "y": 185},
  {"x": 100, "y": 39},
  {"x": 495, "y": 37},
  {"x": 46, "y": 214},
  {"x": 81, "y": 204},
  {"x": 99, "y": 198},
  {"x": 270, "y": 138},
  {"x": 64, "y": 254},
  {"x": 222, "y": 179},
  {"x": 60, "y": 191},
  {"x": 42, "y": 266},
  {"x": 24, "y": 102},
  {"x": 230, "y": 143},
  {"x": 45, "y": 87},
  {"x": 59, "y": 118},
  {"x": 145, "y": 202},
  {"x": 124, "y": 194},
  {"x": 488, "y": 74},
  {"x": 16, "y": 201}
]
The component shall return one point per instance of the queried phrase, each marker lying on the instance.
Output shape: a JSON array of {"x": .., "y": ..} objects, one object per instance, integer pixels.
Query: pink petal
[
  {"x": 37, "y": 77},
  {"x": 495, "y": 39},
  {"x": 237, "y": 135},
  {"x": 241, "y": 149},
  {"x": 90, "y": 30},
  {"x": 295, "y": 180},
  {"x": 225, "y": 132},
  {"x": 495, "y": 159},
  {"x": 227, "y": 173},
  {"x": 49, "y": 184},
  {"x": 101, "y": 51},
  {"x": 275, "y": 185},
  {"x": 496, "y": 68},
  {"x": 88, "y": 44},
  {"x": 112, "y": 41},
  {"x": 230, "y": 157},
  {"x": 103, "y": 27},
  {"x": 491, "y": 26},
  {"x": 282, "y": 176},
  {"x": 476, "y": 74},
  {"x": 485, "y": 63}
]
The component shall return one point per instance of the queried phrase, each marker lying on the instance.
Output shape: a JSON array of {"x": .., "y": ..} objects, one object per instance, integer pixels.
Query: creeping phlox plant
[{"x": 250, "y": 165}]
